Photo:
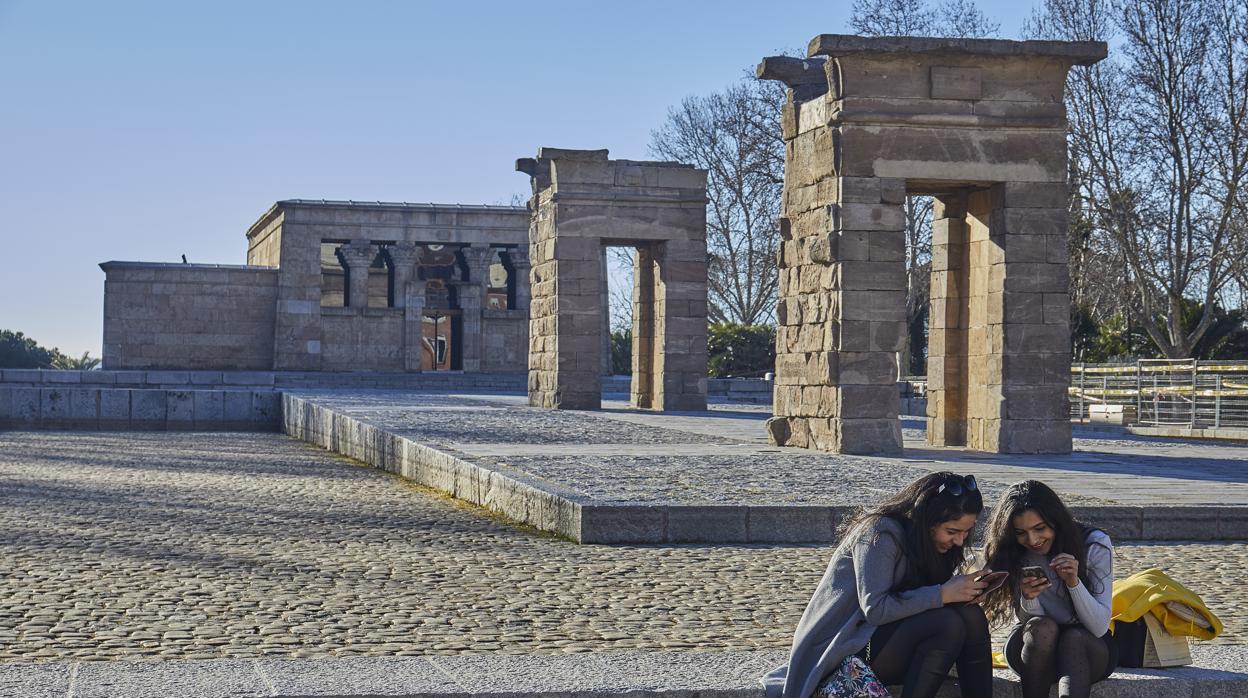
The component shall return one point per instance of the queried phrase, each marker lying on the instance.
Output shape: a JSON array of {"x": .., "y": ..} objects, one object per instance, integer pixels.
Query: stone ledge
[{"x": 591, "y": 675}]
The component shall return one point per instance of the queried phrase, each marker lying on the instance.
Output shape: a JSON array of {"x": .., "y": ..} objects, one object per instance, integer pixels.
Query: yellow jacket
[{"x": 1149, "y": 591}]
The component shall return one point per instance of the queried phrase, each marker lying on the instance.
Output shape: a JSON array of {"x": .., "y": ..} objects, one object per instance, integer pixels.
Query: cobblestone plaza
[{"x": 197, "y": 546}]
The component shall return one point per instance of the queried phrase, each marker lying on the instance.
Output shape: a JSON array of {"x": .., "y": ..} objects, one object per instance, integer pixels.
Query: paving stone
[
  {"x": 180, "y": 409},
  {"x": 518, "y": 676},
  {"x": 25, "y": 405},
  {"x": 204, "y": 679},
  {"x": 34, "y": 680},
  {"x": 209, "y": 408},
  {"x": 692, "y": 671},
  {"x": 114, "y": 408},
  {"x": 148, "y": 409},
  {"x": 6, "y": 404},
  {"x": 380, "y": 676}
]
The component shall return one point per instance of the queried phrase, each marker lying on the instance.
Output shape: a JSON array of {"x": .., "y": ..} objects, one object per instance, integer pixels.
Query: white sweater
[{"x": 1067, "y": 605}]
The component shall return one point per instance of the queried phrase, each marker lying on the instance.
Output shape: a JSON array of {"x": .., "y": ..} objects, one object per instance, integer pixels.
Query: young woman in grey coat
[{"x": 891, "y": 595}]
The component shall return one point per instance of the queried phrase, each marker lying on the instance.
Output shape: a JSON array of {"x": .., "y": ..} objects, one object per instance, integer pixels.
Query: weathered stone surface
[
  {"x": 582, "y": 201},
  {"x": 269, "y": 314},
  {"x": 980, "y": 123}
]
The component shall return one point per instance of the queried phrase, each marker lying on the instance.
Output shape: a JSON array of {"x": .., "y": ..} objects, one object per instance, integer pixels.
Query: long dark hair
[
  {"x": 1003, "y": 551},
  {"x": 919, "y": 507}
]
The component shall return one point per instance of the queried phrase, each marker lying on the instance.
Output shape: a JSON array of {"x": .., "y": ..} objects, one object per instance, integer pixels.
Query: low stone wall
[
  {"x": 192, "y": 400},
  {"x": 187, "y": 380},
  {"x": 197, "y": 316},
  {"x": 68, "y": 406}
]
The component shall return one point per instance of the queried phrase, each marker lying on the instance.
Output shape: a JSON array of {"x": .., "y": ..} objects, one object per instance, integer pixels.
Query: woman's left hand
[{"x": 1067, "y": 569}]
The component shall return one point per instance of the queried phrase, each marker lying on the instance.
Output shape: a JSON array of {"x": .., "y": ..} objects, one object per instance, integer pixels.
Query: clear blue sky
[{"x": 148, "y": 130}]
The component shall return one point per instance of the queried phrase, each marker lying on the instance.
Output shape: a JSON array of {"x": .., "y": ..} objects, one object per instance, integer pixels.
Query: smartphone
[
  {"x": 994, "y": 580},
  {"x": 1035, "y": 571}
]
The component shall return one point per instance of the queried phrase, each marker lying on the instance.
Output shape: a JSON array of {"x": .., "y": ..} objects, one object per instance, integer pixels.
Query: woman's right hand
[
  {"x": 961, "y": 588},
  {"x": 1031, "y": 587}
]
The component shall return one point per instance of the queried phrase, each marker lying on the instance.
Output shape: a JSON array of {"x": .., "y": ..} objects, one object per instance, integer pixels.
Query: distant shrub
[{"x": 737, "y": 350}]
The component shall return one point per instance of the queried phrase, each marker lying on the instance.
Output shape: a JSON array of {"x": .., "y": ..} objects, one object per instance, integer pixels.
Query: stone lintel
[{"x": 1076, "y": 52}]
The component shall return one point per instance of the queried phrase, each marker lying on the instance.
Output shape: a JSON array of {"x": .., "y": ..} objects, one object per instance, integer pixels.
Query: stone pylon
[
  {"x": 979, "y": 124},
  {"x": 582, "y": 201}
]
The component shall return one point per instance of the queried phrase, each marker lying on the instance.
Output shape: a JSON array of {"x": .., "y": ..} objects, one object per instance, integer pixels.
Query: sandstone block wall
[
  {"x": 356, "y": 339},
  {"x": 582, "y": 201},
  {"x": 505, "y": 341},
  {"x": 980, "y": 124},
  {"x": 188, "y": 316},
  {"x": 311, "y": 338}
]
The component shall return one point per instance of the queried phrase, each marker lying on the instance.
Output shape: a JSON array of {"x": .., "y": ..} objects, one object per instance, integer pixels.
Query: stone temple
[
  {"x": 389, "y": 287},
  {"x": 336, "y": 286}
]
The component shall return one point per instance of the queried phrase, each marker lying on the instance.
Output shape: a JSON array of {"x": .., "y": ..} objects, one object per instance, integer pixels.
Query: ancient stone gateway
[
  {"x": 582, "y": 202},
  {"x": 979, "y": 124}
]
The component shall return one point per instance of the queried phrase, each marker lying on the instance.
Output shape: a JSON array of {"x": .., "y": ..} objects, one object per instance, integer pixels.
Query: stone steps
[{"x": 590, "y": 675}]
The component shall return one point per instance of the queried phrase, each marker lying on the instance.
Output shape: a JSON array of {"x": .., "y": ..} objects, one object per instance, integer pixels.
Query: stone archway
[
  {"x": 981, "y": 125},
  {"x": 582, "y": 201}
]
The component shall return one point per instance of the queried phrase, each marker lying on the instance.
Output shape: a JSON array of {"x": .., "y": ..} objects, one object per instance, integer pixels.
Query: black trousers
[
  {"x": 917, "y": 652},
  {"x": 1014, "y": 651}
]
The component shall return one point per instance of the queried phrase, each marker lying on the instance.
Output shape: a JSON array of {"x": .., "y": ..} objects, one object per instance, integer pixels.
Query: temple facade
[{"x": 336, "y": 286}]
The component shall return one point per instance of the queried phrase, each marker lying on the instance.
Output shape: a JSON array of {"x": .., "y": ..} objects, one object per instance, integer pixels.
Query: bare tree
[
  {"x": 1159, "y": 150},
  {"x": 953, "y": 18},
  {"x": 733, "y": 135},
  {"x": 620, "y": 261}
]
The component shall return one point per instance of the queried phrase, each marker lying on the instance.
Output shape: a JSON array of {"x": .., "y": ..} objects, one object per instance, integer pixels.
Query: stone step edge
[
  {"x": 635, "y": 674},
  {"x": 550, "y": 507}
]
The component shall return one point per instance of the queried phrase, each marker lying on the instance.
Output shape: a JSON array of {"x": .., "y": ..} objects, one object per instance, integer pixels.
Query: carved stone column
[
  {"x": 403, "y": 256},
  {"x": 470, "y": 339},
  {"x": 409, "y": 294},
  {"x": 478, "y": 258},
  {"x": 358, "y": 256},
  {"x": 471, "y": 300},
  {"x": 520, "y": 267}
]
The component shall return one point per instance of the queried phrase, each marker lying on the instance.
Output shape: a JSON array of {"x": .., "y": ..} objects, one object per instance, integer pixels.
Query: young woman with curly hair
[{"x": 1059, "y": 591}]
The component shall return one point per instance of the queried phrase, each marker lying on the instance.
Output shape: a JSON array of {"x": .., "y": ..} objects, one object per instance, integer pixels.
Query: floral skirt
[{"x": 852, "y": 679}]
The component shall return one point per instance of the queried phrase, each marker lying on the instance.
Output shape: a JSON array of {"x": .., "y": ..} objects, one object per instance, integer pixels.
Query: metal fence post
[
  {"x": 1083, "y": 369},
  {"x": 1195, "y": 394},
  {"x": 1217, "y": 400}
]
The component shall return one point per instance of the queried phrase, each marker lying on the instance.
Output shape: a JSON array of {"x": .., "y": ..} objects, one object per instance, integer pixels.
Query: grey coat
[{"x": 854, "y": 597}]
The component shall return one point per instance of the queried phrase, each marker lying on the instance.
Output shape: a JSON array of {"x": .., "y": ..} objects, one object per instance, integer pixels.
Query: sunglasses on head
[{"x": 958, "y": 485}]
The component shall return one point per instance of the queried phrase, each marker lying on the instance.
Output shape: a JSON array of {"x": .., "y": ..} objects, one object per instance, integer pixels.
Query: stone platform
[
  {"x": 598, "y": 675},
  {"x": 627, "y": 476}
]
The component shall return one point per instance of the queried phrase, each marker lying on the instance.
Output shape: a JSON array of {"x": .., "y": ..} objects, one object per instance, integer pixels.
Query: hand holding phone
[
  {"x": 994, "y": 580},
  {"x": 1034, "y": 581}
]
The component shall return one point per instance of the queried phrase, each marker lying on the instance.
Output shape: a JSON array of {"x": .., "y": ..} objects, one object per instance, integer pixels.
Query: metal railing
[{"x": 1165, "y": 392}]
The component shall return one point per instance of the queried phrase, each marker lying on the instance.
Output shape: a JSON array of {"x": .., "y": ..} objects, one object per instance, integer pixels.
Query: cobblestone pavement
[{"x": 166, "y": 545}]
